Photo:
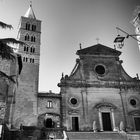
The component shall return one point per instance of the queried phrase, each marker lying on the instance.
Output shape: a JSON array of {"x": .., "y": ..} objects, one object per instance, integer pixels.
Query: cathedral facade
[{"x": 97, "y": 96}]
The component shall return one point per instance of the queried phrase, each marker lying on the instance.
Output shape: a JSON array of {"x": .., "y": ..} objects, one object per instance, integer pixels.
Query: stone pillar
[
  {"x": 100, "y": 120},
  {"x": 113, "y": 120}
]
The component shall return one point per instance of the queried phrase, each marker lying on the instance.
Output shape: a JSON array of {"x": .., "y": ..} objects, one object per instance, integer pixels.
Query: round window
[
  {"x": 133, "y": 102},
  {"x": 100, "y": 69},
  {"x": 73, "y": 101}
]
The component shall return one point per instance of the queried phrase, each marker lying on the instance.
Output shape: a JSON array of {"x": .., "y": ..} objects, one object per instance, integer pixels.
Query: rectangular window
[{"x": 49, "y": 104}]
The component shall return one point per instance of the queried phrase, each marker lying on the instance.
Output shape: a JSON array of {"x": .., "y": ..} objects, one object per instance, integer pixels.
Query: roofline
[
  {"x": 80, "y": 53},
  {"x": 31, "y": 18}
]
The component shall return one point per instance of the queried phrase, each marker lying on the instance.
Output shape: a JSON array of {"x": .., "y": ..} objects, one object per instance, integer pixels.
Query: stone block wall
[{"x": 86, "y": 107}]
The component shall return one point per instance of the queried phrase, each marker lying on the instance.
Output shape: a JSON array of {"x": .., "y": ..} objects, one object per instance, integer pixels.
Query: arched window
[
  {"x": 26, "y": 59},
  {"x": 30, "y": 60},
  {"x": 27, "y": 38},
  {"x": 24, "y": 48},
  {"x": 27, "y": 49},
  {"x": 27, "y": 26},
  {"x": 33, "y": 50},
  {"x": 33, "y": 27},
  {"x": 34, "y": 38}
]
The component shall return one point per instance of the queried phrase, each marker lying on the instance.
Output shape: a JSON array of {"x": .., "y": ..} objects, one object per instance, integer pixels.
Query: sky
[{"x": 66, "y": 23}]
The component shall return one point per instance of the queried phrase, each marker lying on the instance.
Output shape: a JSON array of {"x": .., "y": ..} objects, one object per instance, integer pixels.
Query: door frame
[
  {"x": 134, "y": 122},
  {"x": 110, "y": 119},
  {"x": 78, "y": 122}
]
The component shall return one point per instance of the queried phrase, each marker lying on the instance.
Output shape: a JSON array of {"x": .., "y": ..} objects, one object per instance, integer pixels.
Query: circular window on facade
[
  {"x": 73, "y": 101},
  {"x": 133, "y": 102},
  {"x": 100, "y": 69}
]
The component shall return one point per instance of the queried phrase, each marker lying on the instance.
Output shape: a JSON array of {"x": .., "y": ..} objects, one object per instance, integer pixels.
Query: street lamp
[{"x": 119, "y": 40}]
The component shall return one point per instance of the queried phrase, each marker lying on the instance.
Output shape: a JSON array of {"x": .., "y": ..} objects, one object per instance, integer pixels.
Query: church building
[{"x": 98, "y": 95}]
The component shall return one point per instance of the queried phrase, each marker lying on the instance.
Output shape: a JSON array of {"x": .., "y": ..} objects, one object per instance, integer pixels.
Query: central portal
[{"x": 106, "y": 121}]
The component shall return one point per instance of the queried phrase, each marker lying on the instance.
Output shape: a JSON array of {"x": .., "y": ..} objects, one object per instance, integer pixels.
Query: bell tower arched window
[
  {"x": 33, "y": 27},
  {"x": 27, "y": 38},
  {"x": 27, "y": 26},
  {"x": 33, "y": 38},
  {"x": 32, "y": 50}
]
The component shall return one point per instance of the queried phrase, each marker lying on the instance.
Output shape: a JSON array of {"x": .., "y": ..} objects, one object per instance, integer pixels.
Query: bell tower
[{"x": 26, "y": 96}]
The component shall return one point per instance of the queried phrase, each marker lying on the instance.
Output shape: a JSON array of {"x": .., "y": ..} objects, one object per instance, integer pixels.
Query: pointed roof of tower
[{"x": 30, "y": 12}]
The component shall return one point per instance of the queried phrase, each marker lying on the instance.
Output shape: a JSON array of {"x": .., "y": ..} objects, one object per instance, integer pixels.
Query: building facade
[
  {"x": 98, "y": 94},
  {"x": 49, "y": 110}
]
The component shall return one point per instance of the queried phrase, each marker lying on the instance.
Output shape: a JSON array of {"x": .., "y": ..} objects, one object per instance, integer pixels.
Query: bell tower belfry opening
[{"x": 26, "y": 96}]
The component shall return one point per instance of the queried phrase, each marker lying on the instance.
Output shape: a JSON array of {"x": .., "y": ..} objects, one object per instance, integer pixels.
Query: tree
[{"x": 6, "y": 51}]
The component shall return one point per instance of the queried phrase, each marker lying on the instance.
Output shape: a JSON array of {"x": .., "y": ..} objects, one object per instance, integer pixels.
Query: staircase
[{"x": 96, "y": 136}]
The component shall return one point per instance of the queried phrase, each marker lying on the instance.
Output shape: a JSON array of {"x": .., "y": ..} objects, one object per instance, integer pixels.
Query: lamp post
[
  {"x": 119, "y": 43},
  {"x": 119, "y": 40}
]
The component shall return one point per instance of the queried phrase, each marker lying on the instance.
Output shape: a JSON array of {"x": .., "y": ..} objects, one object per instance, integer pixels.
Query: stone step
[{"x": 96, "y": 136}]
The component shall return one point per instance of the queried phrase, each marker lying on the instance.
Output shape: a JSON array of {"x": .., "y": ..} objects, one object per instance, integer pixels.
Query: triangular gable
[{"x": 98, "y": 49}]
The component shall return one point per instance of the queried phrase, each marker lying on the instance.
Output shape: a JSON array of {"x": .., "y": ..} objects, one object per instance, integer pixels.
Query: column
[
  {"x": 113, "y": 120},
  {"x": 100, "y": 120}
]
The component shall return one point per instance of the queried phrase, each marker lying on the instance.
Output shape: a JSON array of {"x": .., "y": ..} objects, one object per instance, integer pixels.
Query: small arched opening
[{"x": 48, "y": 123}]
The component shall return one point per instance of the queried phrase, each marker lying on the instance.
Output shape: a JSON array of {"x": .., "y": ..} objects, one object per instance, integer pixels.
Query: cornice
[{"x": 107, "y": 84}]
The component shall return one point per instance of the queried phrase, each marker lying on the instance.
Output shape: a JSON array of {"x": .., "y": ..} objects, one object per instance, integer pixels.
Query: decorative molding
[
  {"x": 73, "y": 112},
  {"x": 134, "y": 113},
  {"x": 107, "y": 84},
  {"x": 105, "y": 104},
  {"x": 49, "y": 113}
]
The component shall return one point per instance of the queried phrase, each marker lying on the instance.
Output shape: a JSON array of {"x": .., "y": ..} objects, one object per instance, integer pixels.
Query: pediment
[{"x": 98, "y": 49}]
